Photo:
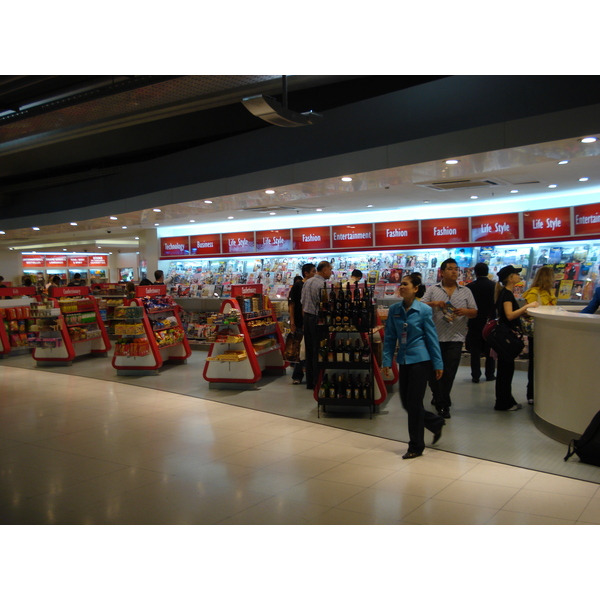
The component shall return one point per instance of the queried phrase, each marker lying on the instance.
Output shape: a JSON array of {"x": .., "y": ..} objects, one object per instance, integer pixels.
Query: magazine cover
[
  {"x": 564, "y": 290},
  {"x": 463, "y": 256},
  {"x": 555, "y": 255},
  {"x": 572, "y": 271},
  {"x": 395, "y": 276},
  {"x": 559, "y": 270},
  {"x": 372, "y": 277},
  {"x": 577, "y": 290},
  {"x": 226, "y": 293},
  {"x": 379, "y": 290}
]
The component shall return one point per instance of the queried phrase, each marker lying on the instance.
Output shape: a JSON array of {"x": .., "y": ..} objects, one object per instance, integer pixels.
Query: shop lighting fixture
[
  {"x": 64, "y": 249},
  {"x": 426, "y": 201},
  {"x": 74, "y": 224},
  {"x": 346, "y": 178},
  {"x": 11, "y": 248},
  {"x": 514, "y": 191},
  {"x": 269, "y": 191},
  {"x": 35, "y": 228},
  {"x": 452, "y": 161},
  {"x": 584, "y": 179},
  {"x": 319, "y": 210},
  {"x": 113, "y": 218},
  {"x": 474, "y": 197},
  {"x": 588, "y": 140},
  {"x": 230, "y": 217},
  {"x": 156, "y": 209},
  {"x": 192, "y": 221},
  {"x": 155, "y": 224},
  {"x": 137, "y": 238},
  {"x": 124, "y": 226},
  {"x": 2, "y": 232},
  {"x": 99, "y": 247},
  {"x": 272, "y": 213},
  {"x": 208, "y": 202},
  {"x": 552, "y": 185},
  {"x": 369, "y": 206},
  {"x": 563, "y": 162}
]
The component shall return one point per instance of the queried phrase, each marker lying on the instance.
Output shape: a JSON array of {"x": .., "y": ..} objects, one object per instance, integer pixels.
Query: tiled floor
[{"x": 74, "y": 451}]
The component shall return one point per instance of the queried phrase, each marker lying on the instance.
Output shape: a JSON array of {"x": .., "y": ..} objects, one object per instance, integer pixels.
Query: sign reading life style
[{"x": 547, "y": 224}]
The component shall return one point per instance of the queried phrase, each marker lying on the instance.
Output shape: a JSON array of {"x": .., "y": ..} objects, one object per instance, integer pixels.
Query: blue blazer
[
  {"x": 422, "y": 339},
  {"x": 592, "y": 307}
]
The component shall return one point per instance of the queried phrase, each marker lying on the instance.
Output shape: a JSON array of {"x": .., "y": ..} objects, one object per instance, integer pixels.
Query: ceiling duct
[
  {"x": 268, "y": 209},
  {"x": 462, "y": 184}
]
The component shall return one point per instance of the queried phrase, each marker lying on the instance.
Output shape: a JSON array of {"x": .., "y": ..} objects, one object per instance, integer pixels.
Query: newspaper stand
[
  {"x": 150, "y": 355},
  {"x": 243, "y": 350},
  {"x": 14, "y": 320}
]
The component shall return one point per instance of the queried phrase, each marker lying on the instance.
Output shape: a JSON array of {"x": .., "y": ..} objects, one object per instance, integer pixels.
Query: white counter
[{"x": 567, "y": 371}]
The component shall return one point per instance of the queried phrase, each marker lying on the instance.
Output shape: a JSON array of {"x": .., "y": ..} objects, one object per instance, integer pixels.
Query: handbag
[
  {"x": 292, "y": 347},
  {"x": 489, "y": 326},
  {"x": 505, "y": 342}
]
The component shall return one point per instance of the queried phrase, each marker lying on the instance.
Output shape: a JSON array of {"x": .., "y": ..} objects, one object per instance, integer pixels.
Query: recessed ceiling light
[
  {"x": 563, "y": 162},
  {"x": 35, "y": 228},
  {"x": 192, "y": 221},
  {"x": 2, "y": 232},
  {"x": 64, "y": 249},
  {"x": 74, "y": 224},
  {"x": 514, "y": 191},
  {"x": 584, "y": 179},
  {"x": 137, "y": 238},
  {"x": 474, "y": 197},
  {"x": 208, "y": 202},
  {"x": 319, "y": 210},
  {"x": 156, "y": 224},
  {"x": 11, "y": 248},
  {"x": 369, "y": 206},
  {"x": 124, "y": 226},
  {"x": 269, "y": 191},
  {"x": 156, "y": 209},
  {"x": 113, "y": 218},
  {"x": 110, "y": 252},
  {"x": 588, "y": 140},
  {"x": 552, "y": 185},
  {"x": 137, "y": 252},
  {"x": 99, "y": 247},
  {"x": 452, "y": 161},
  {"x": 230, "y": 217},
  {"x": 426, "y": 201},
  {"x": 272, "y": 213},
  {"x": 346, "y": 178}
]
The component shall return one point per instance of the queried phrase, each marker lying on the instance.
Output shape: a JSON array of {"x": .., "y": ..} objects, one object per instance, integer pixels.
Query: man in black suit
[{"x": 483, "y": 292}]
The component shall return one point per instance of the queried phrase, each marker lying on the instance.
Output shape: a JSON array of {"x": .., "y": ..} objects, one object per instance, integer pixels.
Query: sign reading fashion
[
  {"x": 398, "y": 233},
  {"x": 443, "y": 231},
  {"x": 311, "y": 238}
]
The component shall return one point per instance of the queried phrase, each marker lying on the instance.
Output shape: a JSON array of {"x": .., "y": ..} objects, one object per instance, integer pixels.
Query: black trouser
[
  {"x": 311, "y": 348},
  {"x": 412, "y": 383},
  {"x": 478, "y": 346},
  {"x": 504, "y": 377},
  {"x": 441, "y": 388},
  {"x": 530, "y": 370}
]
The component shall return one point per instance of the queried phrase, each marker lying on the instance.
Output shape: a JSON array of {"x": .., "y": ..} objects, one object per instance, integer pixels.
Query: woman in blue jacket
[{"x": 410, "y": 324}]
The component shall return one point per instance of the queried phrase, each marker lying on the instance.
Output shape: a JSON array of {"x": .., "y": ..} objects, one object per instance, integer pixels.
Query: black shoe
[
  {"x": 475, "y": 380},
  {"x": 492, "y": 378},
  {"x": 444, "y": 413},
  {"x": 438, "y": 434},
  {"x": 412, "y": 455}
]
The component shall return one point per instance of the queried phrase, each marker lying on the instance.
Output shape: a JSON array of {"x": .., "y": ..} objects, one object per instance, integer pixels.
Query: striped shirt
[
  {"x": 311, "y": 294},
  {"x": 453, "y": 330}
]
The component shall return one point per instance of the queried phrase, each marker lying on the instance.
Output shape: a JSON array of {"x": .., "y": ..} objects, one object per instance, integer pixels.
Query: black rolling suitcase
[{"x": 587, "y": 447}]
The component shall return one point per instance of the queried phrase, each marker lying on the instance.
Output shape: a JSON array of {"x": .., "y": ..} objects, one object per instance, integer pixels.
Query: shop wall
[{"x": 10, "y": 266}]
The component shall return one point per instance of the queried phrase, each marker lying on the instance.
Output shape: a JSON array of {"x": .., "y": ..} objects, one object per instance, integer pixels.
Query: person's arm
[
  {"x": 427, "y": 299},
  {"x": 433, "y": 346},
  {"x": 470, "y": 311},
  {"x": 291, "y": 309},
  {"x": 389, "y": 344},
  {"x": 592, "y": 307},
  {"x": 511, "y": 314}
]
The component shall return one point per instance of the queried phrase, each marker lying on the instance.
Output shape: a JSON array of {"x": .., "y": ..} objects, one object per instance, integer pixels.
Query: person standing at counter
[
  {"x": 542, "y": 292},
  {"x": 311, "y": 300},
  {"x": 410, "y": 326},
  {"x": 592, "y": 307},
  {"x": 508, "y": 313},
  {"x": 453, "y": 306}
]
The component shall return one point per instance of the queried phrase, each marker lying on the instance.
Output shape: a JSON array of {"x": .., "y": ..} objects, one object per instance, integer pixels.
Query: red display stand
[
  {"x": 14, "y": 318},
  {"x": 151, "y": 361},
  {"x": 238, "y": 361},
  {"x": 71, "y": 337}
]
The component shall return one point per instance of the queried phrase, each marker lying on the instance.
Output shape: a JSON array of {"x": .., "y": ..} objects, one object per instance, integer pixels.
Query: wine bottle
[
  {"x": 332, "y": 296},
  {"x": 323, "y": 351},
  {"x": 348, "y": 352},
  {"x": 324, "y": 389},
  {"x": 356, "y": 293},
  {"x": 341, "y": 391},
  {"x": 366, "y": 353},
  {"x": 357, "y": 351},
  {"x": 339, "y": 351},
  {"x": 330, "y": 351},
  {"x": 332, "y": 388},
  {"x": 357, "y": 392},
  {"x": 366, "y": 390},
  {"x": 349, "y": 388}
]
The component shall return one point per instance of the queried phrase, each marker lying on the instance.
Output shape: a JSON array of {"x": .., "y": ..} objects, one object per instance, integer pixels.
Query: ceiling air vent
[
  {"x": 268, "y": 209},
  {"x": 461, "y": 184}
]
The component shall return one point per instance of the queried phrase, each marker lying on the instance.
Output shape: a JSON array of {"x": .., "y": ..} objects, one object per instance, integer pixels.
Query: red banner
[
  {"x": 205, "y": 244},
  {"x": 99, "y": 260},
  {"x": 34, "y": 262},
  {"x": 352, "y": 236},
  {"x": 399, "y": 233},
  {"x": 59, "y": 292},
  {"x": 445, "y": 231},
  {"x": 311, "y": 238},
  {"x": 246, "y": 289},
  {"x": 18, "y": 291},
  {"x": 56, "y": 260},
  {"x": 78, "y": 261},
  {"x": 273, "y": 240},
  {"x": 150, "y": 290},
  {"x": 175, "y": 246},
  {"x": 587, "y": 219},
  {"x": 234, "y": 243},
  {"x": 552, "y": 222},
  {"x": 489, "y": 228}
]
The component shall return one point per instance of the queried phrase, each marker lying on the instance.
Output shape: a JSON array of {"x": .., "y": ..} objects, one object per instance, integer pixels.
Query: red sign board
[
  {"x": 59, "y": 292},
  {"x": 33, "y": 262},
  {"x": 552, "y": 222},
  {"x": 56, "y": 260},
  {"x": 311, "y": 238},
  {"x": 150, "y": 290},
  {"x": 246, "y": 289},
  {"x": 445, "y": 231},
  {"x": 490, "y": 228},
  {"x": 175, "y": 246},
  {"x": 352, "y": 236},
  {"x": 273, "y": 240},
  {"x": 99, "y": 260},
  {"x": 234, "y": 243},
  {"x": 587, "y": 219},
  {"x": 78, "y": 261},
  {"x": 205, "y": 244},
  {"x": 399, "y": 233},
  {"x": 18, "y": 291}
]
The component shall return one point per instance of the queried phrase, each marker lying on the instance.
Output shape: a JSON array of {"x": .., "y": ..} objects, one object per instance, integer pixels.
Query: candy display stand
[
  {"x": 248, "y": 342},
  {"x": 150, "y": 333},
  {"x": 14, "y": 320}
]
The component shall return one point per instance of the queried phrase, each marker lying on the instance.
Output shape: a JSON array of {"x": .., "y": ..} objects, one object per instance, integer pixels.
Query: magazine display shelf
[
  {"x": 7, "y": 329},
  {"x": 242, "y": 364},
  {"x": 60, "y": 322},
  {"x": 151, "y": 361}
]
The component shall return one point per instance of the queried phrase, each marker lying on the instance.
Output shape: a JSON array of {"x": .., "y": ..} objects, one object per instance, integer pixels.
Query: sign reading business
[{"x": 205, "y": 244}]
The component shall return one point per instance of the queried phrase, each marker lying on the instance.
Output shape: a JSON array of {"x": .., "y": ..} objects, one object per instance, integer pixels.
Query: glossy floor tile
[{"x": 80, "y": 451}]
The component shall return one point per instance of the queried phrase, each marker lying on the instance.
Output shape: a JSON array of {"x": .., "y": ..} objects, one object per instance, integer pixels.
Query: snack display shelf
[{"x": 15, "y": 315}]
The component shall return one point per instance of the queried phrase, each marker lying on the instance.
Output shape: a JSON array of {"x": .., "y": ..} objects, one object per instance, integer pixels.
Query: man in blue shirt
[{"x": 592, "y": 307}]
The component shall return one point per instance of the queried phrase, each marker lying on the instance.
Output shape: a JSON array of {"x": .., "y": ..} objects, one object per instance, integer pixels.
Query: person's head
[
  {"x": 159, "y": 275},
  {"x": 56, "y": 280},
  {"x": 324, "y": 269},
  {"x": 27, "y": 282},
  {"x": 450, "y": 272},
  {"x": 411, "y": 287},
  {"x": 481, "y": 270},
  {"x": 76, "y": 277},
  {"x": 145, "y": 281},
  {"x": 356, "y": 276},
  {"x": 544, "y": 279},
  {"x": 308, "y": 270},
  {"x": 509, "y": 275},
  {"x": 1, "y": 279},
  {"x": 298, "y": 278},
  {"x": 129, "y": 286}
]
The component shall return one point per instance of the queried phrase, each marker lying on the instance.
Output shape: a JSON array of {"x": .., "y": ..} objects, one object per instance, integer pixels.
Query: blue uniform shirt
[
  {"x": 592, "y": 307},
  {"x": 421, "y": 340}
]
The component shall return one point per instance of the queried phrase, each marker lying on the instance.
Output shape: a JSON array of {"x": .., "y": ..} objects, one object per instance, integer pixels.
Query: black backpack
[{"x": 587, "y": 447}]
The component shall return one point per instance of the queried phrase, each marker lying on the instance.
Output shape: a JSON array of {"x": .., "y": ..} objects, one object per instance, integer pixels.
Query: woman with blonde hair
[{"x": 542, "y": 292}]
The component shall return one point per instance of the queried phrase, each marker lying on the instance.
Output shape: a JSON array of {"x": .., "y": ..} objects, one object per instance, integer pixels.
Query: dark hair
[
  {"x": 297, "y": 278},
  {"x": 158, "y": 274},
  {"x": 307, "y": 268},
  {"x": 323, "y": 265},
  {"x": 77, "y": 276},
  {"x": 415, "y": 279},
  {"x": 56, "y": 280},
  {"x": 27, "y": 281},
  {"x": 146, "y": 281},
  {"x": 356, "y": 273},
  {"x": 481, "y": 269},
  {"x": 447, "y": 262}
]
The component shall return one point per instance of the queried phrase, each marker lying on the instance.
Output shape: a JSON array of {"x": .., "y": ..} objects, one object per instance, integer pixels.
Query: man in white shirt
[{"x": 453, "y": 305}]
